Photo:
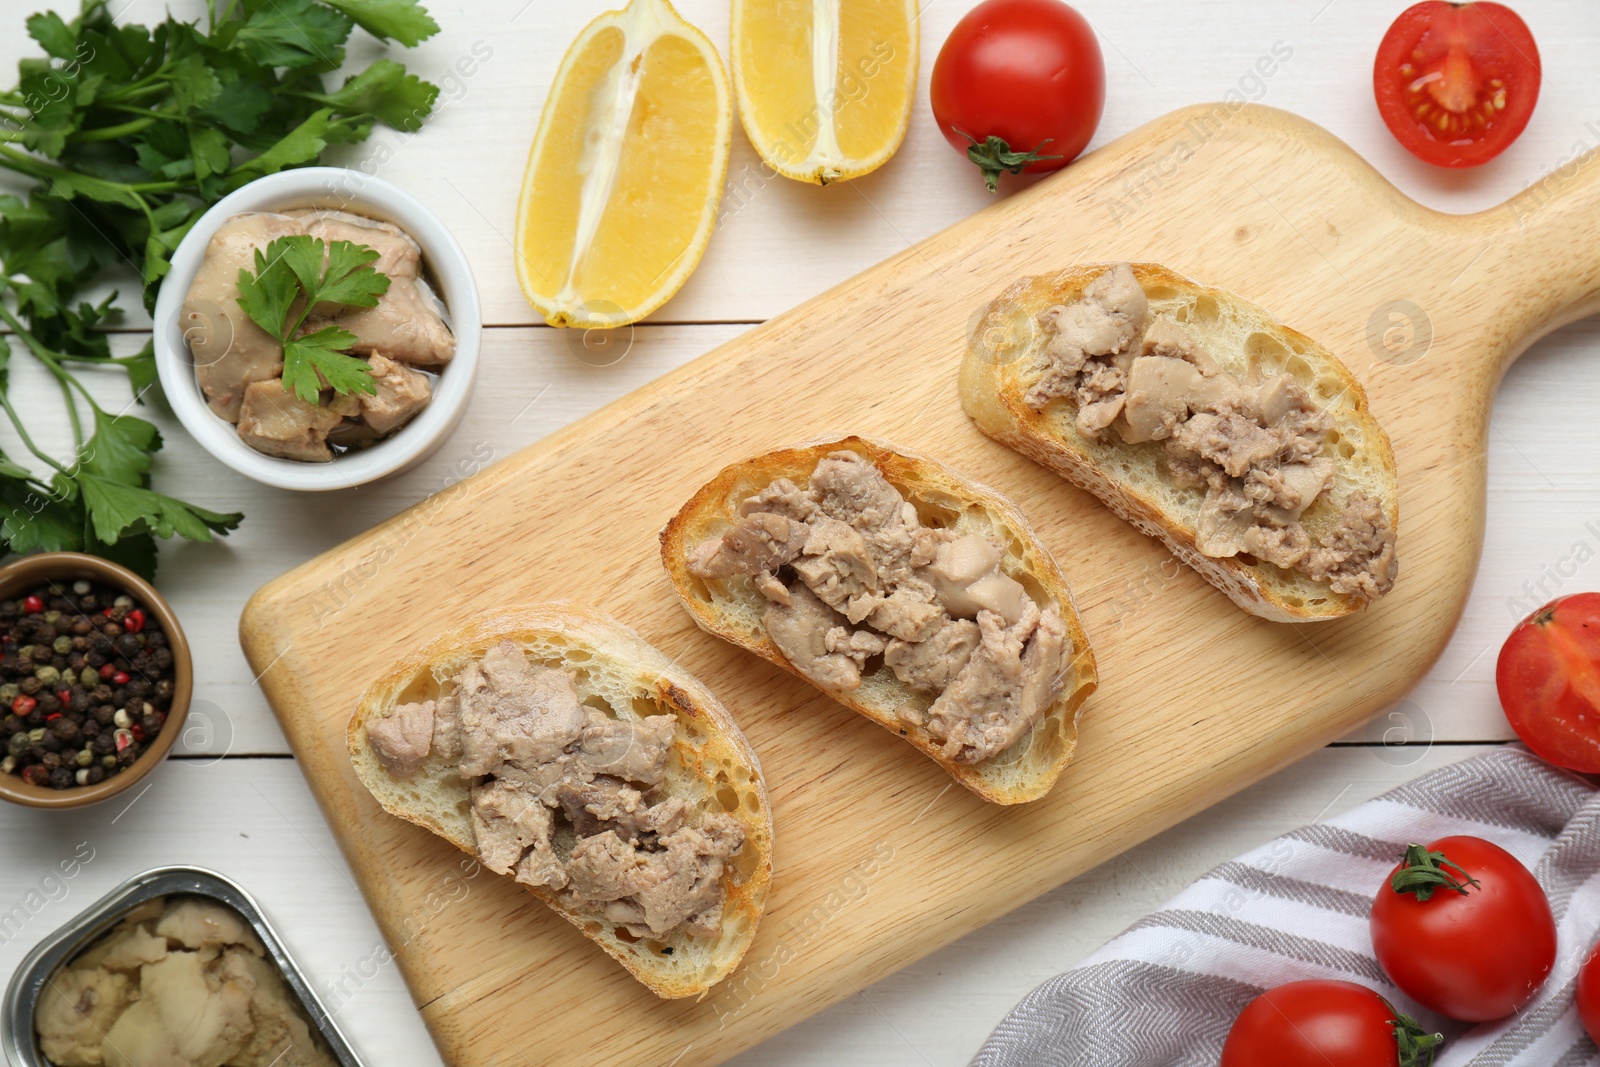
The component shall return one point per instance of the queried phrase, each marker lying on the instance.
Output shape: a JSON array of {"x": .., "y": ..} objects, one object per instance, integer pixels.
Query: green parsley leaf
[
  {"x": 349, "y": 278},
  {"x": 294, "y": 33},
  {"x": 53, "y": 35},
  {"x": 293, "y": 276},
  {"x": 115, "y": 509},
  {"x": 142, "y": 373},
  {"x": 268, "y": 294},
  {"x": 240, "y": 104},
  {"x": 68, "y": 185},
  {"x": 209, "y": 148},
  {"x": 193, "y": 83},
  {"x": 302, "y": 144},
  {"x": 401, "y": 100},
  {"x": 120, "y": 449},
  {"x": 323, "y": 353},
  {"x": 402, "y": 20}
]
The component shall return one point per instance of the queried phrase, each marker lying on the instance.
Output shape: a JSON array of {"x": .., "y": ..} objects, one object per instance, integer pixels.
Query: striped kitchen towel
[{"x": 1166, "y": 991}]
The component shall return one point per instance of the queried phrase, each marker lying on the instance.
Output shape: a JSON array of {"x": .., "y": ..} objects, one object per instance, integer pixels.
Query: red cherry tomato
[
  {"x": 1475, "y": 953},
  {"x": 1329, "y": 1024},
  {"x": 1021, "y": 82},
  {"x": 1456, "y": 83},
  {"x": 1589, "y": 994},
  {"x": 1549, "y": 681}
]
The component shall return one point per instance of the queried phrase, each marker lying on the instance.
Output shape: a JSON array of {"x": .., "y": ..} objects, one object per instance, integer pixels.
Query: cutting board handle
[{"x": 1541, "y": 250}]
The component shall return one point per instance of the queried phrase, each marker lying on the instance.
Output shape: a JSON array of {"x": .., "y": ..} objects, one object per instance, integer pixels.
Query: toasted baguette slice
[
  {"x": 732, "y": 608},
  {"x": 712, "y": 768},
  {"x": 1005, "y": 356}
]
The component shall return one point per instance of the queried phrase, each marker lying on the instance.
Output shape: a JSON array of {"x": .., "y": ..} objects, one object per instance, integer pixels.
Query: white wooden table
[{"x": 234, "y": 800}]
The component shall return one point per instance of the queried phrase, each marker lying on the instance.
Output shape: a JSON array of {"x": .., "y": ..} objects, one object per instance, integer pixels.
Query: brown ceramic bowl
[{"x": 28, "y": 573}]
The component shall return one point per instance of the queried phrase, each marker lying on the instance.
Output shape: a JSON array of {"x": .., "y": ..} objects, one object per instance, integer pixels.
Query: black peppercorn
[{"x": 63, "y": 730}]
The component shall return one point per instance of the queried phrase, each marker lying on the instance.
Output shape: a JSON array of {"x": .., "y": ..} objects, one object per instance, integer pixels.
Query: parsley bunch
[
  {"x": 295, "y": 274},
  {"x": 128, "y": 134}
]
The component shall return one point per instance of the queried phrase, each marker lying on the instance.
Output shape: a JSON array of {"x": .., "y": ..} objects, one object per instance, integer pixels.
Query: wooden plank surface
[{"x": 1269, "y": 206}]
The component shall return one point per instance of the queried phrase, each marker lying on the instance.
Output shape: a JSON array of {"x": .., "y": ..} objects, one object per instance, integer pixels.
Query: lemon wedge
[
  {"x": 626, "y": 172},
  {"x": 825, "y": 86}
]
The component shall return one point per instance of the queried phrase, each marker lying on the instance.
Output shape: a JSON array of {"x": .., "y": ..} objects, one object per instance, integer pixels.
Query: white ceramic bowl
[{"x": 349, "y": 190}]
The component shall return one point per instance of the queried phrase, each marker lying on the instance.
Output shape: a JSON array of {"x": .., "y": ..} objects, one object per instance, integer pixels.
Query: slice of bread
[
  {"x": 712, "y": 768},
  {"x": 1005, "y": 357},
  {"x": 732, "y": 608}
]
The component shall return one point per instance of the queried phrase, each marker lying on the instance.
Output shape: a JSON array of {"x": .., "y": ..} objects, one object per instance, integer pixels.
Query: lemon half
[{"x": 626, "y": 171}]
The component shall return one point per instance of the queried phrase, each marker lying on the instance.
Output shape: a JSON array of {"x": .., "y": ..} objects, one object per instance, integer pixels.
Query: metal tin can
[{"x": 31, "y": 978}]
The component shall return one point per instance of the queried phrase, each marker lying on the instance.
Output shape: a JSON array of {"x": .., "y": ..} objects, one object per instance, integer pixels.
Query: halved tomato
[
  {"x": 1456, "y": 83},
  {"x": 1549, "y": 681}
]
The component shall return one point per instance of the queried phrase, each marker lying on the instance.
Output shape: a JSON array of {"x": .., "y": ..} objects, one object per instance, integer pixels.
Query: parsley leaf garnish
[{"x": 293, "y": 276}]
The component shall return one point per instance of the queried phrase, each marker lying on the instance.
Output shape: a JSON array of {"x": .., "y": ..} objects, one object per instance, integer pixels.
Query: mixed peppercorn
[{"x": 86, "y": 681}]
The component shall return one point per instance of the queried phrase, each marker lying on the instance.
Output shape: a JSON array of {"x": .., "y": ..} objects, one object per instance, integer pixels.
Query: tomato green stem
[
  {"x": 1422, "y": 872},
  {"x": 1416, "y": 1045},
  {"x": 993, "y": 156}
]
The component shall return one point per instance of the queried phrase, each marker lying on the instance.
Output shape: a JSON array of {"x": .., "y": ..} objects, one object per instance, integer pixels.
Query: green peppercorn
[
  {"x": 109, "y": 762},
  {"x": 18, "y": 744},
  {"x": 47, "y": 675},
  {"x": 51, "y": 617},
  {"x": 85, "y": 757},
  {"x": 36, "y": 735},
  {"x": 62, "y": 645},
  {"x": 89, "y": 677},
  {"x": 9, "y": 692}
]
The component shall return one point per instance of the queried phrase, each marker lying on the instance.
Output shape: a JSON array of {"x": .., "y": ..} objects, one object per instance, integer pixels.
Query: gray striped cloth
[{"x": 1166, "y": 991}]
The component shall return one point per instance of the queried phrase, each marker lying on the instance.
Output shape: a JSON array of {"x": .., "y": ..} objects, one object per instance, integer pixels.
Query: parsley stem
[
  {"x": 111, "y": 133},
  {"x": 68, "y": 357},
  {"x": 152, "y": 82},
  {"x": 129, "y": 109},
  {"x": 48, "y": 357},
  {"x": 22, "y": 432},
  {"x": 72, "y": 414},
  {"x": 35, "y": 167}
]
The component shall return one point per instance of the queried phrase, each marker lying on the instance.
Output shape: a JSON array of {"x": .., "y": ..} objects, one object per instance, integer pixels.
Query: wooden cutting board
[{"x": 879, "y": 861}]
